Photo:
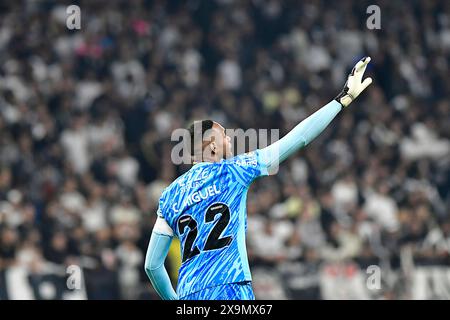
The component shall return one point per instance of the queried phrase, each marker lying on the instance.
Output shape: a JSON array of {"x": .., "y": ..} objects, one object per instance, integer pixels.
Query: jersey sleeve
[
  {"x": 162, "y": 205},
  {"x": 159, "y": 212},
  {"x": 247, "y": 167}
]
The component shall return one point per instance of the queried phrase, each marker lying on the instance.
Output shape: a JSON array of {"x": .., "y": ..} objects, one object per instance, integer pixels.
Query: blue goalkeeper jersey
[{"x": 206, "y": 208}]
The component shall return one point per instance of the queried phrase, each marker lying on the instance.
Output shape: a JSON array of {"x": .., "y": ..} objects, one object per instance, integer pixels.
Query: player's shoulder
[
  {"x": 172, "y": 186},
  {"x": 183, "y": 180}
]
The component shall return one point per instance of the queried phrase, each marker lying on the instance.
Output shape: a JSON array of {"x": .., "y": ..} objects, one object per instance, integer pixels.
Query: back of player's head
[{"x": 197, "y": 131}]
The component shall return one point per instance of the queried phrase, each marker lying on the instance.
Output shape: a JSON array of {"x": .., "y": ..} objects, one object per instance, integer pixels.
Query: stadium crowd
[{"x": 86, "y": 118}]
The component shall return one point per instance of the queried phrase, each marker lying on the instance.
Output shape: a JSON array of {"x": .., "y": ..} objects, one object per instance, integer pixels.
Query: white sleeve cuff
[{"x": 162, "y": 227}]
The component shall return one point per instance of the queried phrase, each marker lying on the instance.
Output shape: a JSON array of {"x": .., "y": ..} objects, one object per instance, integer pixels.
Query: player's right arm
[
  {"x": 158, "y": 248},
  {"x": 311, "y": 127}
]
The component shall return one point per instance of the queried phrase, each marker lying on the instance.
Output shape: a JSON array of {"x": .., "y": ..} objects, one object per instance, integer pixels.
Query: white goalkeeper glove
[{"x": 354, "y": 85}]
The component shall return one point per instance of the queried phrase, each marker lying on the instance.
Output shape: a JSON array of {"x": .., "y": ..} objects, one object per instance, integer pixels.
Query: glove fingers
[
  {"x": 366, "y": 83},
  {"x": 362, "y": 64}
]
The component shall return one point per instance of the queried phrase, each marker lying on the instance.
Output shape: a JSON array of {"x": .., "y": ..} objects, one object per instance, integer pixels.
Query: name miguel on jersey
[{"x": 186, "y": 184}]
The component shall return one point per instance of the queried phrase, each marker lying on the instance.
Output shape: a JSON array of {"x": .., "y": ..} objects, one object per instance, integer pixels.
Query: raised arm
[
  {"x": 158, "y": 248},
  {"x": 311, "y": 127}
]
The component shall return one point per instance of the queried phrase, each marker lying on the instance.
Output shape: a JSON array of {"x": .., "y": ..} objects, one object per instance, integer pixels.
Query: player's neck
[{"x": 206, "y": 158}]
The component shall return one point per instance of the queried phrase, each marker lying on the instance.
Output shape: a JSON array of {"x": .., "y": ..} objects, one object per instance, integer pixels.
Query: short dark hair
[{"x": 194, "y": 130}]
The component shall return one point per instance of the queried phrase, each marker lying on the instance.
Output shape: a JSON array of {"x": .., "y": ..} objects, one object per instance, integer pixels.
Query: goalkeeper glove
[{"x": 353, "y": 87}]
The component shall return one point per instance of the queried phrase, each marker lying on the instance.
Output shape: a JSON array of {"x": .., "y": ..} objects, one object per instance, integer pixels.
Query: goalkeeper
[{"x": 206, "y": 207}]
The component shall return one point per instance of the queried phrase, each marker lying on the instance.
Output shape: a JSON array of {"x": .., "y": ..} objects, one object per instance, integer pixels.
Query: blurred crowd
[{"x": 86, "y": 118}]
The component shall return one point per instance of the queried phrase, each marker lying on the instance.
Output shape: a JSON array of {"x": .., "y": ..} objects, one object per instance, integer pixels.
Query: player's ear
[{"x": 213, "y": 147}]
